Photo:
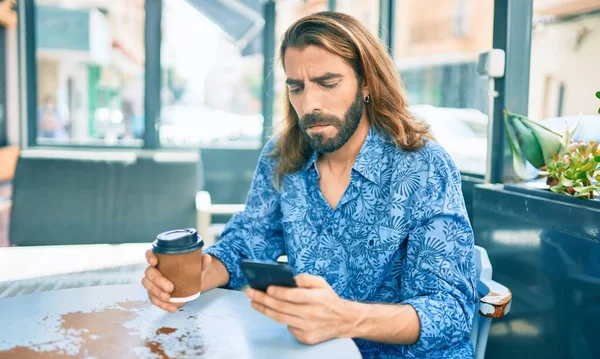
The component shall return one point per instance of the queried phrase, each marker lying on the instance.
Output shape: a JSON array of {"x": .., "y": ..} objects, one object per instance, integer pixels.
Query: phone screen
[{"x": 261, "y": 275}]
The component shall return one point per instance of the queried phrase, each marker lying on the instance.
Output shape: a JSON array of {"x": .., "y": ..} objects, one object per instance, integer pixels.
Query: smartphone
[{"x": 260, "y": 275}]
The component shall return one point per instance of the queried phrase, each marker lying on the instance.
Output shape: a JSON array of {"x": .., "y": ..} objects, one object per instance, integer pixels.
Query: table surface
[{"x": 119, "y": 322}]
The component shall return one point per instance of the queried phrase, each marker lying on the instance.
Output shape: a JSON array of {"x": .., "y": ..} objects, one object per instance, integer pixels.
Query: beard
[{"x": 346, "y": 127}]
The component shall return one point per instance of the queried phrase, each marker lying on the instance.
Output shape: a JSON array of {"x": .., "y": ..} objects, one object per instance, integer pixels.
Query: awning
[{"x": 240, "y": 19}]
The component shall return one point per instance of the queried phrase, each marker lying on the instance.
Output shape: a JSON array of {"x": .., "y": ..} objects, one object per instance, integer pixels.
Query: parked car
[
  {"x": 461, "y": 132},
  {"x": 206, "y": 127}
]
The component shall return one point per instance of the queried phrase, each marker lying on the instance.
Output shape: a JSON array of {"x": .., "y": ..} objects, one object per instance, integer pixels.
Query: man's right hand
[{"x": 159, "y": 287}]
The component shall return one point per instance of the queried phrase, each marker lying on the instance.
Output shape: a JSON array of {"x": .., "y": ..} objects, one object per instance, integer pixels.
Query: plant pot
[
  {"x": 545, "y": 192},
  {"x": 545, "y": 247}
]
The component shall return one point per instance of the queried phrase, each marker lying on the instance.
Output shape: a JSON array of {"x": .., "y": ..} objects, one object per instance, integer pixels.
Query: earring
[{"x": 368, "y": 99}]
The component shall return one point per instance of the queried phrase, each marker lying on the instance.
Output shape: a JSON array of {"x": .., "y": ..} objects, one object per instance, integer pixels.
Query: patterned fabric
[{"x": 400, "y": 234}]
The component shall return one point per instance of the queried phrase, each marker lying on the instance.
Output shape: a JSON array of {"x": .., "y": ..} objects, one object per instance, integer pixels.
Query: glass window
[
  {"x": 564, "y": 75},
  {"x": 90, "y": 72},
  {"x": 212, "y": 74},
  {"x": 288, "y": 11},
  {"x": 436, "y": 53},
  {"x": 365, "y": 11}
]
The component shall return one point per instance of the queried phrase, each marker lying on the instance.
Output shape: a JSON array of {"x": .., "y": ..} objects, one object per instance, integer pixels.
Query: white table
[{"x": 119, "y": 322}]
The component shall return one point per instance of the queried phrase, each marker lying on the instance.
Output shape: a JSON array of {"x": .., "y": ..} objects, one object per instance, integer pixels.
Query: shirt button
[
  {"x": 329, "y": 230},
  {"x": 371, "y": 242}
]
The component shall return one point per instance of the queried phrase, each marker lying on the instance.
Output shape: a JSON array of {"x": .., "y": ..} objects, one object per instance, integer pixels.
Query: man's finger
[
  {"x": 277, "y": 316},
  {"x": 311, "y": 281},
  {"x": 154, "y": 290},
  {"x": 292, "y": 295},
  {"x": 275, "y": 304},
  {"x": 151, "y": 258},
  {"x": 157, "y": 278},
  {"x": 162, "y": 305},
  {"x": 206, "y": 260}
]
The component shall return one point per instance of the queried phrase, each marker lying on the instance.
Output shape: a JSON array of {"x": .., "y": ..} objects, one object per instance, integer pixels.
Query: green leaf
[
  {"x": 597, "y": 158},
  {"x": 588, "y": 167},
  {"x": 528, "y": 143},
  {"x": 570, "y": 174},
  {"x": 566, "y": 182},
  {"x": 598, "y": 94},
  {"x": 518, "y": 161},
  {"x": 549, "y": 141},
  {"x": 586, "y": 189},
  {"x": 589, "y": 177},
  {"x": 519, "y": 164},
  {"x": 572, "y": 132}
]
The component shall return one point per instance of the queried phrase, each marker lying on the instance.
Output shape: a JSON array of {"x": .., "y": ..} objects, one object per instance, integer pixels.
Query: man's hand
[
  {"x": 159, "y": 287},
  {"x": 314, "y": 313}
]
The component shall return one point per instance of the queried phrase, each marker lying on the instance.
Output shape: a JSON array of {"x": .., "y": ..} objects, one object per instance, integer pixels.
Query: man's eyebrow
[
  {"x": 294, "y": 82},
  {"x": 324, "y": 77}
]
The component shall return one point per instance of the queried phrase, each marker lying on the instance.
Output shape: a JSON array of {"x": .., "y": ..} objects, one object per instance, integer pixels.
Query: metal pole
[
  {"x": 27, "y": 73},
  {"x": 153, "y": 74},
  {"x": 332, "y": 4},
  {"x": 512, "y": 33},
  {"x": 268, "y": 91}
]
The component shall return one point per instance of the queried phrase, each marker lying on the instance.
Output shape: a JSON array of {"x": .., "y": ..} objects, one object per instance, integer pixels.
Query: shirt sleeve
[
  {"x": 438, "y": 278},
  {"x": 256, "y": 233}
]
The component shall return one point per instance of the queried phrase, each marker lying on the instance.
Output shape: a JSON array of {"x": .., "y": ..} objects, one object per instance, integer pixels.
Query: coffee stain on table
[
  {"x": 166, "y": 330},
  {"x": 101, "y": 334}
]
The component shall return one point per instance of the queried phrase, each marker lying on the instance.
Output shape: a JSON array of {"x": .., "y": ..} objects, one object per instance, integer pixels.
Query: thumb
[
  {"x": 206, "y": 260},
  {"x": 305, "y": 280}
]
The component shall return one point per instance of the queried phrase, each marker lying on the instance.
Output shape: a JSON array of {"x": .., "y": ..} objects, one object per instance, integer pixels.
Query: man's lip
[{"x": 323, "y": 125}]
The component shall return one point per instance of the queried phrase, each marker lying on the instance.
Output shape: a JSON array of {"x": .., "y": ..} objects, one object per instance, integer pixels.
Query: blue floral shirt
[{"x": 400, "y": 234}]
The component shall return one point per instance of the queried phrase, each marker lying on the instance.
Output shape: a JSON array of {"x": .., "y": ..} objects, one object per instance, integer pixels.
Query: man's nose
[{"x": 311, "y": 102}]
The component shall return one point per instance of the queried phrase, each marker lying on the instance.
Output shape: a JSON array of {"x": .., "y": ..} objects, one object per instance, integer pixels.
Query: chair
[
  {"x": 81, "y": 211},
  {"x": 205, "y": 210},
  {"x": 495, "y": 301},
  {"x": 87, "y": 197}
]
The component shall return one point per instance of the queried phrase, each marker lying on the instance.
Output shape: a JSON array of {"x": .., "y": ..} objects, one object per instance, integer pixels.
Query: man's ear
[{"x": 365, "y": 90}]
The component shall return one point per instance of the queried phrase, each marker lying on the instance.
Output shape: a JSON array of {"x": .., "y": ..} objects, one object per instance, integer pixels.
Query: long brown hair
[{"x": 344, "y": 36}]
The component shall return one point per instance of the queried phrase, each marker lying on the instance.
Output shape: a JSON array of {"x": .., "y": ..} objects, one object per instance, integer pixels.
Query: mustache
[{"x": 316, "y": 119}]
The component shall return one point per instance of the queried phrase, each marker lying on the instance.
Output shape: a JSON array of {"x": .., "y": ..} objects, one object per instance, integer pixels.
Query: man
[
  {"x": 367, "y": 208},
  {"x": 51, "y": 121}
]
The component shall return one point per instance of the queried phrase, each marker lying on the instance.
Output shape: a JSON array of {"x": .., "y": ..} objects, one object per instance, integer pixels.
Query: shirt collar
[{"x": 367, "y": 163}]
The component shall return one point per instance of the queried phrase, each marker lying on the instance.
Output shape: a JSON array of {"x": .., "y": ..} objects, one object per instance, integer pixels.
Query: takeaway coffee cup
[{"x": 179, "y": 254}]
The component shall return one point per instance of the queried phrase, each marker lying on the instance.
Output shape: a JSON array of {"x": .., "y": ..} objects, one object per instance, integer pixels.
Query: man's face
[{"x": 326, "y": 96}]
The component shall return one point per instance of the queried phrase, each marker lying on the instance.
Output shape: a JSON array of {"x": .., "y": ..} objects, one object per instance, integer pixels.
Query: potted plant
[
  {"x": 571, "y": 168},
  {"x": 577, "y": 172},
  {"x": 545, "y": 241}
]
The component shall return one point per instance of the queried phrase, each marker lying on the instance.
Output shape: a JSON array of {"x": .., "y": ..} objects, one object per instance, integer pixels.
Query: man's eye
[
  {"x": 329, "y": 86},
  {"x": 295, "y": 90}
]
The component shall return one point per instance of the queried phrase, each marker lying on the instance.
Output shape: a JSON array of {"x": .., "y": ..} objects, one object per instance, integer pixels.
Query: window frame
[{"x": 511, "y": 32}]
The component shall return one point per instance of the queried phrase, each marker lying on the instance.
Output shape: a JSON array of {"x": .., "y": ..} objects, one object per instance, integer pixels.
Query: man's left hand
[{"x": 313, "y": 312}]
